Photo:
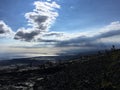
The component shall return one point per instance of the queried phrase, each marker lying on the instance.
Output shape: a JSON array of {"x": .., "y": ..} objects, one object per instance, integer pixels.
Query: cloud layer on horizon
[
  {"x": 94, "y": 39},
  {"x": 41, "y": 19}
]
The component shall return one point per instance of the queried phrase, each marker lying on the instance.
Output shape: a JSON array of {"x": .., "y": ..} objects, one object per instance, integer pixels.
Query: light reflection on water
[{"x": 4, "y": 56}]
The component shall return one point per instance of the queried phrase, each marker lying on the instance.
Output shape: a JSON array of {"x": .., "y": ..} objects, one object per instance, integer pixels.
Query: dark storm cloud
[
  {"x": 89, "y": 41},
  {"x": 38, "y": 18},
  {"x": 56, "y": 34},
  {"x": 47, "y": 41},
  {"x": 37, "y": 21},
  {"x": 108, "y": 34},
  {"x": 51, "y": 37},
  {"x": 4, "y": 29},
  {"x": 25, "y": 35}
]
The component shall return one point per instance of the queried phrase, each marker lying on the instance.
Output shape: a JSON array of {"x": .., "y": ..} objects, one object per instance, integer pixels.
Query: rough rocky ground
[{"x": 94, "y": 72}]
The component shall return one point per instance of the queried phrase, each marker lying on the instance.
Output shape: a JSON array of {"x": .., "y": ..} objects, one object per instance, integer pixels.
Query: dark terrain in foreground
[{"x": 100, "y": 71}]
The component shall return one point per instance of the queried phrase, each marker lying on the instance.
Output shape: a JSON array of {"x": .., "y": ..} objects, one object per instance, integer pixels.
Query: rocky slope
[{"x": 93, "y": 72}]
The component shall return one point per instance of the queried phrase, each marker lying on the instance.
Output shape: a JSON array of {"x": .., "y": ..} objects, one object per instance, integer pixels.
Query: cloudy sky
[{"x": 57, "y": 27}]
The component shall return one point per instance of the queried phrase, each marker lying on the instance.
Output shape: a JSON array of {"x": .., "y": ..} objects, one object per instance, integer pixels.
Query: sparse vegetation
[{"x": 100, "y": 71}]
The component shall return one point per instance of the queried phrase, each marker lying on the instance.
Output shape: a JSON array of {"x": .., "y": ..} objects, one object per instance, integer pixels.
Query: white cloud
[
  {"x": 112, "y": 26},
  {"x": 40, "y": 20},
  {"x": 5, "y": 30}
]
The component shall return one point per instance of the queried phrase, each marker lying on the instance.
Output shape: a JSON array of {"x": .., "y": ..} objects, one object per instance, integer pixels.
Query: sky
[{"x": 57, "y": 27}]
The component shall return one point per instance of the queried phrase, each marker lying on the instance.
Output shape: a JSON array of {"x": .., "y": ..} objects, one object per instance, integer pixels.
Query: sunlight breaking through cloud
[{"x": 39, "y": 20}]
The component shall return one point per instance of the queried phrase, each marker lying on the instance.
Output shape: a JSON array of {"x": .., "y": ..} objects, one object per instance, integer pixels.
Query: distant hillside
[
  {"x": 100, "y": 71},
  {"x": 34, "y": 60}
]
